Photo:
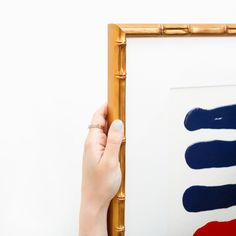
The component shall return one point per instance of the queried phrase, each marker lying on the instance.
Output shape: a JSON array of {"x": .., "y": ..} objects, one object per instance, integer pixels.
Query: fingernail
[{"x": 117, "y": 125}]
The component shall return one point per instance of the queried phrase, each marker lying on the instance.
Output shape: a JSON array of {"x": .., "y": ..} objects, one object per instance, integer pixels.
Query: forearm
[{"x": 93, "y": 220}]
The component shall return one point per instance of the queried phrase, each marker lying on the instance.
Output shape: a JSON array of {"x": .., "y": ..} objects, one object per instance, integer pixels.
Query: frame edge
[{"x": 116, "y": 110}]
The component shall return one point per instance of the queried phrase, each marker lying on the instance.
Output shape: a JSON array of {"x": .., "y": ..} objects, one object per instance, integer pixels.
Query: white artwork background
[{"x": 166, "y": 77}]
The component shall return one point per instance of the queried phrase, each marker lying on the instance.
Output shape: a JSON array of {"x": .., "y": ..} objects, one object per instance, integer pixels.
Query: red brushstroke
[{"x": 216, "y": 228}]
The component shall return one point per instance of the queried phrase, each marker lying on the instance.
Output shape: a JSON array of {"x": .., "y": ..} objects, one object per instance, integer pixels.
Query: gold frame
[{"x": 117, "y": 34}]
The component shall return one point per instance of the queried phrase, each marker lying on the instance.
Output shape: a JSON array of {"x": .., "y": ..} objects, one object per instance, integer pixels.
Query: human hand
[{"x": 101, "y": 177}]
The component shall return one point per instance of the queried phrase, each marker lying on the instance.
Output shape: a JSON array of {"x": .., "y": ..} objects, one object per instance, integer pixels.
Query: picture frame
[{"x": 117, "y": 44}]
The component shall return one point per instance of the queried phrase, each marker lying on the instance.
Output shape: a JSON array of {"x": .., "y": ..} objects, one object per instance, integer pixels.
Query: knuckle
[{"x": 102, "y": 136}]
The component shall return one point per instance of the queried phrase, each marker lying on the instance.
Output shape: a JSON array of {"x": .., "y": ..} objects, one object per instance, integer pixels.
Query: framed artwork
[{"x": 188, "y": 133}]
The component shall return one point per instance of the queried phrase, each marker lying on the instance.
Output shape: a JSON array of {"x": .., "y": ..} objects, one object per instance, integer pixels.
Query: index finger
[{"x": 99, "y": 118}]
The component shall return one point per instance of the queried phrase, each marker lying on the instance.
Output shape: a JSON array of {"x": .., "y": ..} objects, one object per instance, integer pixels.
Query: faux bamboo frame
[{"x": 117, "y": 34}]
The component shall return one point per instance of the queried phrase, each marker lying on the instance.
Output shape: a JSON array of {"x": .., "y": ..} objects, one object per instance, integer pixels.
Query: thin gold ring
[{"x": 98, "y": 126}]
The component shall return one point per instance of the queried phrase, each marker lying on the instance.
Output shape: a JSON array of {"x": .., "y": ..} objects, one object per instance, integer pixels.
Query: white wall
[{"x": 53, "y": 75}]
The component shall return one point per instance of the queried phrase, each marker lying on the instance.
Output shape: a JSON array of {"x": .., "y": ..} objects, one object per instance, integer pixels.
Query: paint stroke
[
  {"x": 217, "y": 228},
  {"x": 219, "y": 118},
  {"x": 211, "y": 154},
  {"x": 205, "y": 198}
]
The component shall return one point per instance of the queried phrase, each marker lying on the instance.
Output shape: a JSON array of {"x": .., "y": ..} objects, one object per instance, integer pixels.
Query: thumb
[{"x": 114, "y": 140}]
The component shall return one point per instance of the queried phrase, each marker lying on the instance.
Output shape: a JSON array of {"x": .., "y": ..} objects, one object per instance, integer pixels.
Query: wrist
[
  {"x": 95, "y": 202},
  {"x": 93, "y": 219}
]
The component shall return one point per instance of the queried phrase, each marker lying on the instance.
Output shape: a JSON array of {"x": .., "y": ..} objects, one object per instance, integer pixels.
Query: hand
[{"x": 101, "y": 174}]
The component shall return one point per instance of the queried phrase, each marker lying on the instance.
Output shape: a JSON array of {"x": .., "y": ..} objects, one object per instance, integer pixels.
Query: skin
[{"x": 101, "y": 177}]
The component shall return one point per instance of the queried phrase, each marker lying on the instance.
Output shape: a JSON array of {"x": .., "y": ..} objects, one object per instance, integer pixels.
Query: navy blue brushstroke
[
  {"x": 218, "y": 118},
  {"x": 203, "y": 198},
  {"x": 211, "y": 154}
]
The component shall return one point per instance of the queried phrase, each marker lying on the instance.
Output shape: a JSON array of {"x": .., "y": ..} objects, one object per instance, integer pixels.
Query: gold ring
[{"x": 98, "y": 126}]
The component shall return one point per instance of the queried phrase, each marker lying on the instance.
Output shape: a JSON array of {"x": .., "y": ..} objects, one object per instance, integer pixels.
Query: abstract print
[{"x": 211, "y": 154}]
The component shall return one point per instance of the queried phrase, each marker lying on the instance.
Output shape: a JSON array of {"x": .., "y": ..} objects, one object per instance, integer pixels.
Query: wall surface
[{"x": 53, "y": 75}]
